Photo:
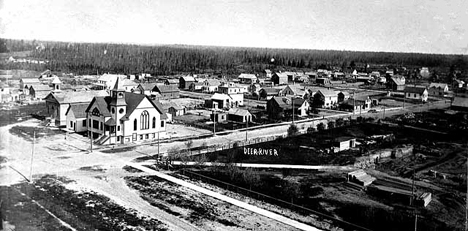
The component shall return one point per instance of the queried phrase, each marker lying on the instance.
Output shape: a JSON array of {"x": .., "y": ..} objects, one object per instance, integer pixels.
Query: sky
[{"x": 426, "y": 26}]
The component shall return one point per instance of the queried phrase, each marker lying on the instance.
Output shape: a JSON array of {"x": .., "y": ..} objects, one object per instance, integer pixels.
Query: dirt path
[
  {"x": 238, "y": 203},
  {"x": 112, "y": 185}
]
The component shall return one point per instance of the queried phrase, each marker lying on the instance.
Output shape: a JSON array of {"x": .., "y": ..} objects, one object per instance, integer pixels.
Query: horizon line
[{"x": 230, "y": 46}]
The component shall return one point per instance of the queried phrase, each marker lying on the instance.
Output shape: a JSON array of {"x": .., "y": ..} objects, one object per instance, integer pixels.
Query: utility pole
[
  {"x": 354, "y": 103},
  {"x": 292, "y": 102},
  {"x": 91, "y": 141},
  {"x": 214, "y": 122},
  {"x": 158, "y": 141},
  {"x": 32, "y": 157},
  {"x": 246, "y": 126},
  {"x": 416, "y": 222}
]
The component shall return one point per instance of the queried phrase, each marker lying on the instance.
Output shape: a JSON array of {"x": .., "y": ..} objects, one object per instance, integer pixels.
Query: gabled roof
[
  {"x": 398, "y": 80},
  {"x": 213, "y": 82},
  {"x": 173, "y": 81},
  {"x": 131, "y": 99},
  {"x": 166, "y": 88},
  {"x": 147, "y": 86},
  {"x": 30, "y": 80},
  {"x": 328, "y": 93},
  {"x": 239, "y": 112},
  {"x": 40, "y": 87},
  {"x": 219, "y": 96},
  {"x": 298, "y": 90},
  {"x": 418, "y": 90},
  {"x": 188, "y": 78},
  {"x": 247, "y": 76},
  {"x": 76, "y": 96},
  {"x": 281, "y": 75},
  {"x": 128, "y": 83},
  {"x": 438, "y": 85},
  {"x": 298, "y": 102},
  {"x": 284, "y": 102},
  {"x": 56, "y": 80},
  {"x": 271, "y": 91},
  {"x": 79, "y": 110}
]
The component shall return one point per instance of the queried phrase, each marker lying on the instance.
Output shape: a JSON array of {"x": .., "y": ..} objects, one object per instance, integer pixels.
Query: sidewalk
[{"x": 219, "y": 196}]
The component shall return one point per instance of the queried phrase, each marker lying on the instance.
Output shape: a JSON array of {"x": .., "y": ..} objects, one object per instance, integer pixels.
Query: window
[
  {"x": 162, "y": 124},
  {"x": 121, "y": 110},
  {"x": 102, "y": 127},
  {"x": 414, "y": 94},
  {"x": 154, "y": 122},
  {"x": 84, "y": 123},
  {"x": 71, "y": 124},
  {"x": 118, "y": 128},
  {"x": 134, "y": 124},
  {"x": 141, "y": 137},
  {"x": 95, "y": 124},
  {"x": 113, "y": 110},
  {"x": 147, "y": 136},
  {"x": 118, "y": 138},
  {"x": 144, "y": 120},
  {"x": 95, "y": 112}
]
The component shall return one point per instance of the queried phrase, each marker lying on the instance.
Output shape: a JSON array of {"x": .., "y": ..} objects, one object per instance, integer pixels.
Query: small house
[
  {"x": 293, "y": 90},
  {"x": 239, "y": 115},
  {"x": 396, "y": 83},
  {"x": 279, "y": 78},
  {"x": 417, "y": 93},
  {"x": 27, "y": 82},
  {"x": 360, "y": 177},
  {"x": 438, "y": 89},
  {"x": 325, "y": 98},
  {"x": 210, "y": 85},
  {"x": 247, "y": 78},
  {"x": 171, "y": 82},
  {"x": 344, "y": 143},
  {"x": 76, "y": 117},
  {"x": 145, "y": 88},
  {"x": 267, "y": 93},
  {"x": 167, "y": 91},
  {"x": 196, "y": 86},
  {"x": 185, "y": 81},
  {"x": 39, "y": 91}
]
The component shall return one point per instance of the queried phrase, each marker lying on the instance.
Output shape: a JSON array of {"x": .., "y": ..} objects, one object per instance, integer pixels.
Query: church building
[{"x": 124, "y": 117}]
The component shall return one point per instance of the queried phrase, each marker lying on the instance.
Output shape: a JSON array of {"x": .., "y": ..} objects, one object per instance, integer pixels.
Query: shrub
[
  {"x": 320, "y": 126},
  {"x": 311, "y": 129},
  {"x": 293, "y": 130},
  {"x": 331, "y": 124}
]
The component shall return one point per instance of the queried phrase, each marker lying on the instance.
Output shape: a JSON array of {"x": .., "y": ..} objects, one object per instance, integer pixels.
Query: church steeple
[
  {"x": 56, "y": 83},
  {"x": 118, "y": 94}
]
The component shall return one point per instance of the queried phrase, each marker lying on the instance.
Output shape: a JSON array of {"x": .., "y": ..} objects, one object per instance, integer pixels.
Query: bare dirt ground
[{"x": 103, "y": 173}]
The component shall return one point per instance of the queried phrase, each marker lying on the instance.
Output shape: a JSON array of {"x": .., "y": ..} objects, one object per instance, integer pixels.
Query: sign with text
[{"x": 260, "y": 151}]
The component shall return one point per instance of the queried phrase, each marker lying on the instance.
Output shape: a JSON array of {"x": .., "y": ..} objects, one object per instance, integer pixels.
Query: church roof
[{"x": 132, "y": 100}]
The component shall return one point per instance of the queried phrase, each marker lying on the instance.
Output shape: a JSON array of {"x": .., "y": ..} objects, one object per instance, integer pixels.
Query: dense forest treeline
[{"x": 91, "y": 58}]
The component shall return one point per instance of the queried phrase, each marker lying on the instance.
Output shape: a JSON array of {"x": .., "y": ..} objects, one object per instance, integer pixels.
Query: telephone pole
[{"x": 32, "y": 157}]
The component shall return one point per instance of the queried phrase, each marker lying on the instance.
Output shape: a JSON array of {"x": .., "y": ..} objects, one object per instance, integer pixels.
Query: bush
[
  {"x": 339, "y": 122},
  {"x": 311, "y": 130},
  {"x": 320, "y": 126},
  {"x": 331, "y": 124},
  {"x": 293, "y": 130}
]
